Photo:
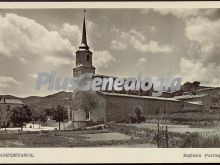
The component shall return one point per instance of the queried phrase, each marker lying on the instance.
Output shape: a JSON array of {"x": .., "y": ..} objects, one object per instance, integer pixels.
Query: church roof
[
  {"x": 137, "y": 96},
  {"x": 103, "y": 76}
]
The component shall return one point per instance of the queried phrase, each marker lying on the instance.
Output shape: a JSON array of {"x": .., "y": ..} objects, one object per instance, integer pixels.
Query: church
[{"x": 118, "y": 105}]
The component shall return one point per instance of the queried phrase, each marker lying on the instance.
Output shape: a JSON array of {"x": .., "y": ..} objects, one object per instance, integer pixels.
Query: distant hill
[
  {"x": 44, "y": 101},
  {"x": 54, "y": 97},
  {"x": 9, "y": 97}
]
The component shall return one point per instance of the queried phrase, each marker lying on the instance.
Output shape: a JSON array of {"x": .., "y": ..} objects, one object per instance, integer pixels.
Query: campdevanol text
[{"x": 87, "y": 82}]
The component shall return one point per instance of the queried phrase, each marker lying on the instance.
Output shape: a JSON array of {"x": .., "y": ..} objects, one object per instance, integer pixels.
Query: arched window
[
  {"x": 87, "y": 57},
  {"x": 87, "y": 114}
]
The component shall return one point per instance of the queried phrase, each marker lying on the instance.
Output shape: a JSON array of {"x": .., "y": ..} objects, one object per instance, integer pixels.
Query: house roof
[
  {"x": 208, "y": 89},
  {"x": 188, "y": 96},
  {"x": 194, "y": 102},
  {"x": 136, "y": 96},
  {"x": 205, "y": 89}
]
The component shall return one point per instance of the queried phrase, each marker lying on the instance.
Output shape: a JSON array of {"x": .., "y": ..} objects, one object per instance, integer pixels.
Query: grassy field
[
  {"x": 88, "y": 138},
  {"x": 188, "y": 117},
  {"x": 179, "y": 136},
  {"x": 116, "y": 135},
  {"x": 178, "y": 128}
]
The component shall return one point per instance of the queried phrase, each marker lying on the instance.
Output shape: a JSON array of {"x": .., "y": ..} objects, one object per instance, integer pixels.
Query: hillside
[{"x": 37, "y": 102}]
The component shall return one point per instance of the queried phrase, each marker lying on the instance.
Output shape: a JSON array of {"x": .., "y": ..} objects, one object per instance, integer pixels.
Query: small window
[{"x": 87, "y": 57}]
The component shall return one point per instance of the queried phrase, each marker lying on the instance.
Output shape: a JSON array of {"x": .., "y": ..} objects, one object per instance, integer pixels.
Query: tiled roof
[{"x": 205, "y": 89}]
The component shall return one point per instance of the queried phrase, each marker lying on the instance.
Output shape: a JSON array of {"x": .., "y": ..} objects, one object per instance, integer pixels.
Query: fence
[{"x": 162, "y": 136}]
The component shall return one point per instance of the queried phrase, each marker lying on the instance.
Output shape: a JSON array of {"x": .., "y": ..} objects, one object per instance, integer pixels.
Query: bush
[
  {"x": 138, "y": 116},
  {"x": 133, "y": 119}
]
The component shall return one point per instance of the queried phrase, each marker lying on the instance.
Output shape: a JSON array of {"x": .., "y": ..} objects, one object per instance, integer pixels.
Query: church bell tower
[{"x": 83, "y": 55}]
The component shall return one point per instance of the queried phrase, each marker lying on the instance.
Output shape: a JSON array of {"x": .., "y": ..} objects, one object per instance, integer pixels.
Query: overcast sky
[{"x": 157, "y": 42}]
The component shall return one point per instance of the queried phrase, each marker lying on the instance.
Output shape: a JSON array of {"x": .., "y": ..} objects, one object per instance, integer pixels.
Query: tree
[
  {"x": 42, "y": 117},
  {"x": 39, "y": 116},
  {"x": 50, "y": 111},
  {"x": 60, "y": 114},
  {"x": 86, "y": 100},
  {"x": 20, "y": 115},
  {"x": 34, "y": 116}
]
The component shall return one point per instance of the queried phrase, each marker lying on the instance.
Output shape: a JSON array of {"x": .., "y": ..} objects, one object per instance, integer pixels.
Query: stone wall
[
  {"x": 120, "y": 107},
  {"x": 98, "y": 114}
]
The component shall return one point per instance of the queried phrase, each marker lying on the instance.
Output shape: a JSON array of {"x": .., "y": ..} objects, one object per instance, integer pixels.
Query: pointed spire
[{"x": 84, "y": 38}]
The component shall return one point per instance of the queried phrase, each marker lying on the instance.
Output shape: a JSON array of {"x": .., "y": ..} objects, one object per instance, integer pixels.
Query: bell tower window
[{"x": 87, "y": 57}]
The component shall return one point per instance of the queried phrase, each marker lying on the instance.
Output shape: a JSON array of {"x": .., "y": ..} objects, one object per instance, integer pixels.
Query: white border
[
  {"x": 108, "y": 155},
  {"x": 46, "y": 5}
]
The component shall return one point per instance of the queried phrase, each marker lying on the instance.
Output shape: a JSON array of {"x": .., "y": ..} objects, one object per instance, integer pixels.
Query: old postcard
[{"x": 109, "y": 82}]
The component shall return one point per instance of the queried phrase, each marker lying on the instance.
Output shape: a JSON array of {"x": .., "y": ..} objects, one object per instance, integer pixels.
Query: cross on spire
[{"x": 84, "y": 11}]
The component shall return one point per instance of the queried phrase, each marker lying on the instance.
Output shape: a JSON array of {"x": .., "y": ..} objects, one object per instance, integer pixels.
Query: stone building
[
  {"x": 196, "y": 102},
  {"x": 6, "y": 105},
  {"x": 118, "y": 106},
  {"x": 210, "y": 98}
]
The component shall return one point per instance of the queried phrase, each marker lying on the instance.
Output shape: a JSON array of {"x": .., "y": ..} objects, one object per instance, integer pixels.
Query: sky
[{"x": 156, "y": 42}]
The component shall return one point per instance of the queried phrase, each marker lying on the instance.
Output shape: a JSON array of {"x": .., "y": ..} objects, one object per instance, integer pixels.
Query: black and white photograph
[{"x": 110, "y": 78}]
